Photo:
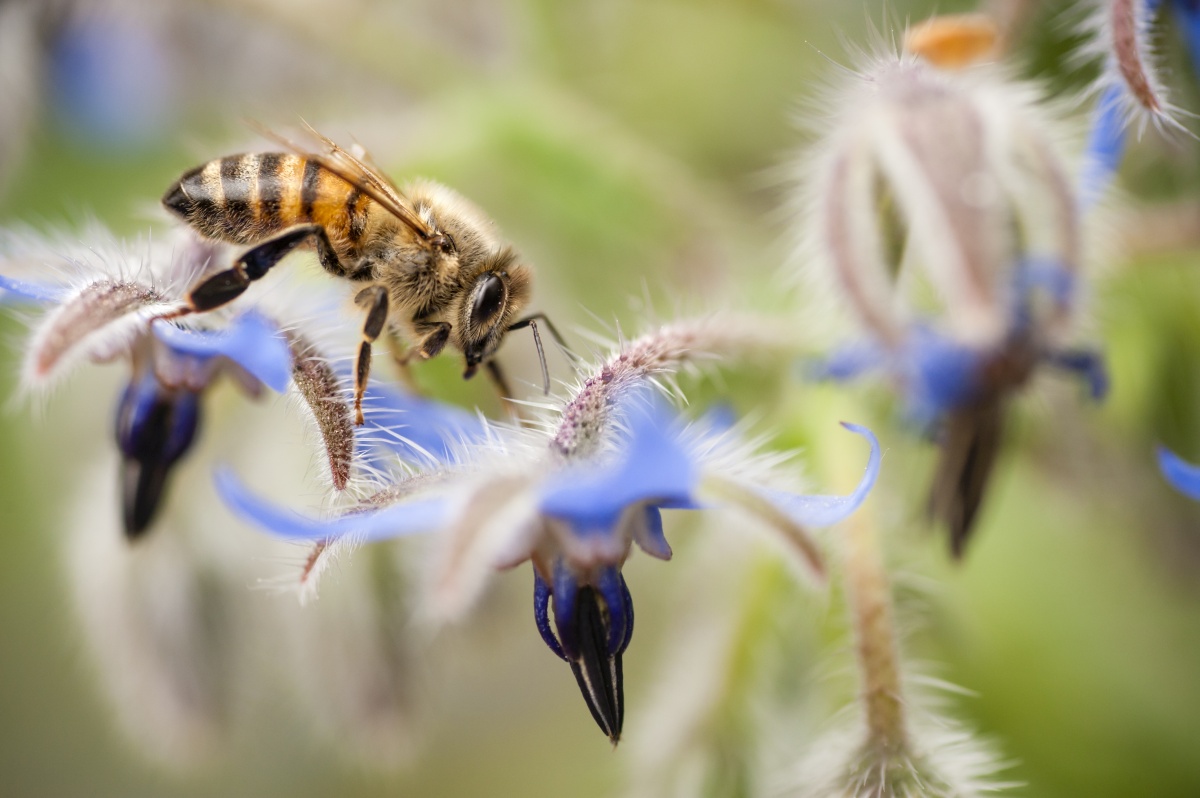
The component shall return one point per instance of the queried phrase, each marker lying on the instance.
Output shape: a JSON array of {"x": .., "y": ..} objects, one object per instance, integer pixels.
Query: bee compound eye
[{"x": 489, "y": 297}]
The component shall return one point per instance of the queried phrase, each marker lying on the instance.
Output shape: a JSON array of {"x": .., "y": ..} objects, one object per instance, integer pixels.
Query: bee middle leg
[
  {"x": 224, "y": 287},
  {"x": 375, "y": 299},
  {"x": 402, "y": 356},
  {"x": 437, "y": 334}
]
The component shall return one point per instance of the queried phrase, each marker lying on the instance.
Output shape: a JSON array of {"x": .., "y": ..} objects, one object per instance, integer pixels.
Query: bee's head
[{"x": 492, "y": 299}]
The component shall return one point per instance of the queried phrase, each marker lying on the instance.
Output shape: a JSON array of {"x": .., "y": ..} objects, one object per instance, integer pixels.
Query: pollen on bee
[{"x": 953, "y": 41}]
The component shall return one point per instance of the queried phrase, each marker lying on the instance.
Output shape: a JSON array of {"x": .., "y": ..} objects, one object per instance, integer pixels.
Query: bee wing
[{"x": 361, "y": 175}]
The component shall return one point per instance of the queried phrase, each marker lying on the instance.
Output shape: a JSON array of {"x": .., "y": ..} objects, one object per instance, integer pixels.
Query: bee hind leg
[
  {"x": 375, "y": 300},
  {"x": 224, "y": 287}
]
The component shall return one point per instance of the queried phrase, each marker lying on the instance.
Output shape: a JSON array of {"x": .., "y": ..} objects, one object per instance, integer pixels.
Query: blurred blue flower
[
  {"x": 937, "y": 375},
  {"x": 958, "y": 392},
  {"x": 159, "y": 412},
  {"x": 113, "y": 79}
]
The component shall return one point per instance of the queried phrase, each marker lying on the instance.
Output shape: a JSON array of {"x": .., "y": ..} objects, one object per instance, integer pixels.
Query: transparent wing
[{"x": 363, "y": 176}]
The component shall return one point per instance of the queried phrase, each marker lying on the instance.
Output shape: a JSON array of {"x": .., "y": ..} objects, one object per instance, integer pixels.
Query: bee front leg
[
  {"x": 224, "y": 287},
  {"x": 375, "y": 300},
  {"x": 436, "y": 340}
]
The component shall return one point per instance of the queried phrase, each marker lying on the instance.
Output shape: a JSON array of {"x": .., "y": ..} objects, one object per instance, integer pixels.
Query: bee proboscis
[{"x": 431, "y": 265}]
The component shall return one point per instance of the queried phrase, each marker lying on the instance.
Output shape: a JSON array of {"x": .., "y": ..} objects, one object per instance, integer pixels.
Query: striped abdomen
[{"x": 245, "y": 199}]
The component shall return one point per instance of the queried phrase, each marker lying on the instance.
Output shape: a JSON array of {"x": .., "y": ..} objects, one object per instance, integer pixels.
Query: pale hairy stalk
[
  {"x": 321, "y": 390},
  {"x": 663, "y": 352},
  {"x": 1126, "y": 23},
  {"x": 96, "y": 305},
  {"x": 869, "y": 593}
]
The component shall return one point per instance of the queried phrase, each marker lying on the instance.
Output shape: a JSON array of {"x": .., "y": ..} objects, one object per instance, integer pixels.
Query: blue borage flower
[
  {"x": 939, "y": 205},
  {"x": 572, "y": 494},
  {"x": 103, "y": 304},
  {"x": 101, "y": 316},
  {"x": 938, "y": 375},
  {"x": 959, "y": 392},
  {"x": 170, "y": 684},
  {"x": 577, "y": 520}
]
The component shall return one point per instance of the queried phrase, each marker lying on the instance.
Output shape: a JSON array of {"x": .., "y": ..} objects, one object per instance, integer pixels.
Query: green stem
[{"x": 869, "y": 595}]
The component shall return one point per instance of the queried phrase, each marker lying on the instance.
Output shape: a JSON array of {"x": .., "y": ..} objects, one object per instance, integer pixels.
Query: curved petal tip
[
  {"x": 871, "y": 474},
  {"x": 1182, "y": 475},
  {"x": 393, "y": 521},
  {"x": 22, "y": 290},
  {"x": 822, "y": 511},
  {"x": 264, "y": 514}
]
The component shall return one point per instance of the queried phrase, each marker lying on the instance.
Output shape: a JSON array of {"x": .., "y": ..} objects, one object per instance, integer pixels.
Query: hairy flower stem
[
  {"x": 869, "y": 593},
  {"x": 660, "y": 353}
]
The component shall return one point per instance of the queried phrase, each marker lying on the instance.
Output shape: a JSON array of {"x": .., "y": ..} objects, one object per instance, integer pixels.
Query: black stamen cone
[
  {"x": 154, "y": 430},
  {"x": 141, "y": 491},
  {"x": 598, "y": 673},
  {"x": 970, "y": 445}
]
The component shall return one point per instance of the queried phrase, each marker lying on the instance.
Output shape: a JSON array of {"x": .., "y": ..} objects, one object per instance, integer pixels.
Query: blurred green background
[{"x": 631, "y": 151}]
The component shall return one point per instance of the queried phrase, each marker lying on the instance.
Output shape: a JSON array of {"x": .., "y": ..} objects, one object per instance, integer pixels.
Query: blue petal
[
  {"x": 541, "y": 614},
  {"x": 847, "y": 362},
  {"x": 1087, "y": 364},
  {"x": 612, "y": 587},
  {"x": 33, "y": 292},
  {"x": 654, "y": 467},
  {"x": 1184, "y": 476},
  {"x": 937, "y": 374},
  {"x": 940, "y": 374},
  {"x": 566, "y": 591},
  {"x": 416, "y": 428},
  {"x": 251, "y": 341},
  {"x": 819, "y": 511},
  {"x": 650, "y": 536},
  {"x": 395, "y": 521},
  {"x": 1047, "y": 274},
  {"x": 1040, "y": 274},
  {"x": 1105, "y": 146}
]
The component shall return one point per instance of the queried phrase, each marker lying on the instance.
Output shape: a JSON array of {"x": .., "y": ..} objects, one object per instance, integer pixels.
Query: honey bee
[{"x": 432, "y": 267}]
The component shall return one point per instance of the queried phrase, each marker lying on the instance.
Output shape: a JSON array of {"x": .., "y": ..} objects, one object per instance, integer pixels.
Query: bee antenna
[
  {"x": 537, "y": 341},
  {"x": 531, "y": 322}
]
